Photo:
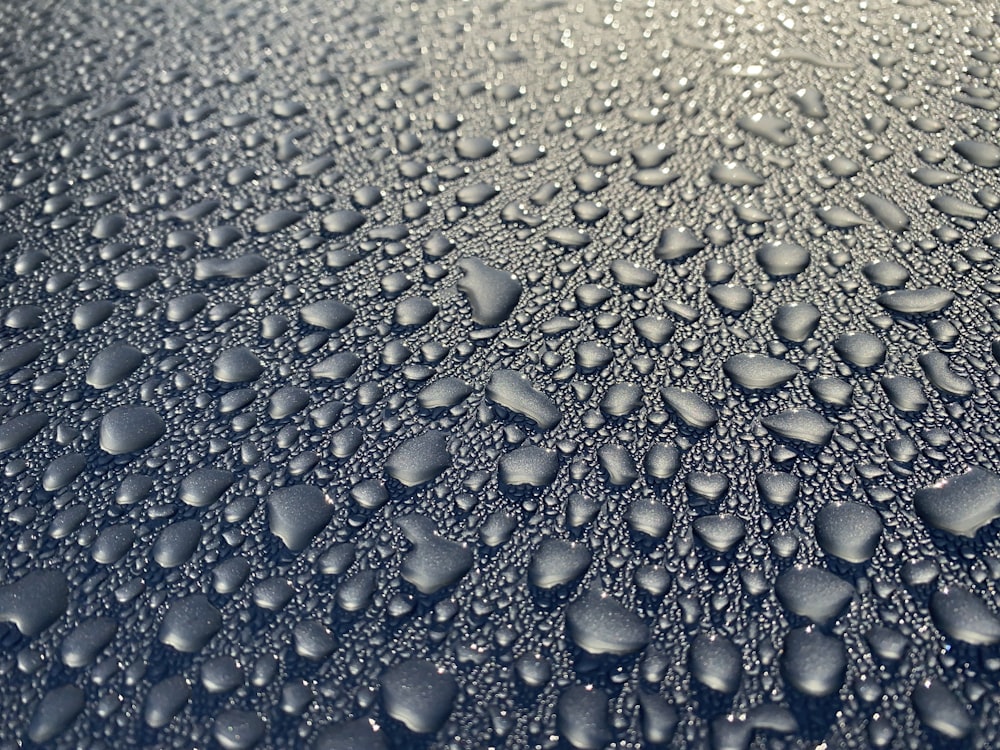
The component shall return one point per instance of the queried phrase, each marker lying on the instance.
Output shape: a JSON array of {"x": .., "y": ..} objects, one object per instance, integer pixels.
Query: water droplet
[
  {"x": 298, "y": 513},
  {"x": 813, "y": 663},
  {"x": 130, "y": 429},
  {"x": 756, "y": 372},
  {"x": 34, "y": 601},
  {"x": 599, "y": 624},
  {"x": 419, "y": 695}
]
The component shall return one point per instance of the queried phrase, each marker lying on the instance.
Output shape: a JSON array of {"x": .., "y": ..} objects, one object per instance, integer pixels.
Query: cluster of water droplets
[{"x": 507, "y": 375}]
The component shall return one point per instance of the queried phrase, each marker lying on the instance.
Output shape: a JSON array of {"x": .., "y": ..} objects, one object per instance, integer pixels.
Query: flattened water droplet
[
  {"x": 165, "y": 700},
  {"x": 916, "y": 301},
  {"x": 344, "y": 221},
  {"x": 298, "y": 513},
  {"x": 860, "y": 349},
  {"x": 82, "y": 645},
  {"x": 731, "y": 298},
  {"x": 887, "y": 213},
  {"x": 177, "y": 543},
  {"x": 599, "y": 624},
  {"x": 514, "y": 391},
  {"x": 622, "y": 399},
  {"x": 493, "y": 294},
  {"x": 777, "y": 487},
  {"x": 113, "y": 364},
  {"x": 676, "y": 243},
  {"x": 941, "y": 710},
  {"x": 720, "y": 532},
  {"x": 434, "y": 562},
  {"x": 445, "y": 392},
  {"x": 737, "y": 175},
  {"x": 905, "y": 393},
  {"x": 938, "y": 370},
  {"x": 419, "y": 695},
  {"x": 813, "y": 663},
  {"x": 813, "y": 593},
  {"x": 960, "y": 504},
  {"x": 800, "y": 425},
  {"x": 848, "y": 530},
  {"x": 716, "y": 663},
  {"x": 530, "y": 466},
  {"x": 796, "y": 321},
  {"x": 129, "y": 429},
  {"x": 782, "y": 258},
  {"x": 18, "y": 431},
  {"x": 238, "y": 365},
  {"x": 420, "y": 459},
  {"x": 662, "y": 461},
  {"x": 963, "y": 616},
  {"x": 15, "y": 357},
  {"x": 238, "y": 730},
  {"x": 205, "y": 486},
  {"x": 690, "y": 408},
  {"x": 34, "y": 601},
  {"x": 832, "y": 391},
  {"x": 886, "y": 273},
  {"x": 190, "y": 623},
  {"x": 557, "y": 562},
  {"x": 582, "y": 717},
  {"x": 649, "y": 516},
  {"x": 654, "y": 329},
  {"x": 756, "y": 372},
  {"x": 336, "y": 367},
  {"x": 55, "y": 713}
]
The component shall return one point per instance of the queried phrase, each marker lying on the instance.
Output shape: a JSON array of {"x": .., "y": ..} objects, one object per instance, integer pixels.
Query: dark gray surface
[{"x": 529, "y": 374}]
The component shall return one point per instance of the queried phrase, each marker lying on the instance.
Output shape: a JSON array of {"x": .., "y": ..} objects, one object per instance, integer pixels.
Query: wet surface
[{"x": 527, "y": 374}]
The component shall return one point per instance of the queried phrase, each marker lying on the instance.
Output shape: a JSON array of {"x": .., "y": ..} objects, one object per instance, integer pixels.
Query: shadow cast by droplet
[
  {"x": 852, "y": 572},
  {"x": 707, "y": 556},
  {"x": 956, "y": 547},
  {"x": 815, "y": 715},
  {"x": 646, "y": 544},
  {"x": 513, "y": 418},
  {"x": 556, "y": 597},
  {"x": 660, "y": 487},
  {"x": 400, "y": 495},
  {"x": 701, "y": 503},
  {"x": 398, "y": 737},
  {"x": 934, "y": 741},
  {"x": 693, "y": 435},
  {"x": 11, "y": 640},
  {"x": 521, "y": 493},
  {"x": 967, "y": 653},
  {"x": 757, "y": 396},
  {"x": 602, "y": 669},
  {"x": 802, "y": 451},
  {"x": 707, "y": 703},
  {"x": 164, "y": 661}
]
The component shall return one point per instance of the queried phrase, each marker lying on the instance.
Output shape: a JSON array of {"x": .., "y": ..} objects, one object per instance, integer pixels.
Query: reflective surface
[{"x": 518, "y": 375}]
